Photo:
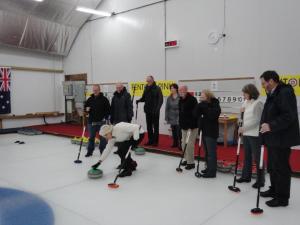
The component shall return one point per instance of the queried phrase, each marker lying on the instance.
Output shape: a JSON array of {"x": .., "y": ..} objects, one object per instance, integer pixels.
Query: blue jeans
[
  {"x": 93, "y": 130},
  {"x": 210, "y": 148},
  {"x": 252, "y": 151}
]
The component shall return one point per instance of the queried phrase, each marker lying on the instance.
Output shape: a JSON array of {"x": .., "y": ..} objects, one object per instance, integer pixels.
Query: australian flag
[{"x": 5, "y": 76}]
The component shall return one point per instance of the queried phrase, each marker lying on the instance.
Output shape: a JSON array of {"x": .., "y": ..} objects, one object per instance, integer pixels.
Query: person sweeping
[{"x": 123, "y": 136}]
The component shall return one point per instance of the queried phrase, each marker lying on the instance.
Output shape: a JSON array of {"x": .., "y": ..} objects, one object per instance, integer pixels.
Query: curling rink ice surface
[{"x": 155, "y": 195}]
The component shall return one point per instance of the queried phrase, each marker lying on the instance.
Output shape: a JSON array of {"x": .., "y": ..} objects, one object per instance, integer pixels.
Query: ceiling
[{"x": 50, "y": 26}]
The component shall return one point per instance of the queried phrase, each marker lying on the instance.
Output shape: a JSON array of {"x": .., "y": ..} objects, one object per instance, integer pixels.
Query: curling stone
[
  {"x": 140, "y": 151},
  {"x": 95, "y": 173},
  {"x": 224, "y": 167}
]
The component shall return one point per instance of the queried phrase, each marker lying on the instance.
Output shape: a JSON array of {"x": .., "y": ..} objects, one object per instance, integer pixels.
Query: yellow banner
[
  {"x": 293, "y": 80},
  {"x": 140, "y": 86}
]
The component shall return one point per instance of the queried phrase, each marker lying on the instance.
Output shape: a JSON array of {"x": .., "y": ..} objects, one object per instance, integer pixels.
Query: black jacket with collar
[
  {"x": 281, "y": 113},
  {"x": 121, "y": 107},
  {"x": 208, "y": 116},
  {"x": 99, "y": 108},
  {"x": 153, "y": 98}
]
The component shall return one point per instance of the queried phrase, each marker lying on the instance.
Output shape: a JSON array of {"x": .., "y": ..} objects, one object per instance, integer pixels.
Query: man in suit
[{"x": 279, "y": 132}]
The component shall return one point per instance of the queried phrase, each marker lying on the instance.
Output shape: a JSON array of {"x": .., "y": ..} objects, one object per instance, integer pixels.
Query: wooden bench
[{"x": 29, "y": 116}]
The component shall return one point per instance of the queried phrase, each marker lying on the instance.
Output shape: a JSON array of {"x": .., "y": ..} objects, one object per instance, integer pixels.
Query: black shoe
[
  {"x": 155, "y": 144},
  {"x": 125, "y": 173},
  {"x": 190, "y": 166},
  {"x": 256, "y": 185},
  {"x": 204, "y": 171},
  {"x": 206, "y": 175},
  {"x": 277, "y": 202},
  {"x": 88, "y": 154},
  {"x": 267, "y": 194},
  {"x": 243, "y": 180},
  {"x": 133, "y": 165},
  {"x": 184, "y": 163}
]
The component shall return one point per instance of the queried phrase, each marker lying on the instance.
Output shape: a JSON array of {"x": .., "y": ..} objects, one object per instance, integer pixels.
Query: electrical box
[
  {"x": 68, "y": 88},
  {"x": 79, "y": 91}
]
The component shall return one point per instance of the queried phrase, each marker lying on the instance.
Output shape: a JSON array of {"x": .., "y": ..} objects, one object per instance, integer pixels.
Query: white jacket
[
  {"x": 121, "y": 132},
  {"x": 252, "y": 116}
]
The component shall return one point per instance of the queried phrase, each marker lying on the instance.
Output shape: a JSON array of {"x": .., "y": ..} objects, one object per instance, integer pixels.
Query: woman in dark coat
[{"x": 208, "y": 112}]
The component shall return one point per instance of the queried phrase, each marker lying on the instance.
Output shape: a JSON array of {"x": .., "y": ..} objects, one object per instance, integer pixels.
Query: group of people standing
[
  {"x": 273, "y": 124},
  {"x": 187, "y": 118}
]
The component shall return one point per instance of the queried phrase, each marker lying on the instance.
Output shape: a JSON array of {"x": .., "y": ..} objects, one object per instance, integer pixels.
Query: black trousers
[
  {"x": 210, "y": 148},
  {"x": 176, "y": 134},
  {"x": 123, "y": 147},
  {"x": 280, "y": 171},
  {"x": 152, "y": 121},
  {"x": 252, "y": 148}
]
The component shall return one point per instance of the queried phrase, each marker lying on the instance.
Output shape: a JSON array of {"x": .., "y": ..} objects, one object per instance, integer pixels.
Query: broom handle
[
  {"x": 122, "y": 165},
  {"x": 200, "y": 139},
  {"x": 185, "y": 146},
  {"x": 81, "y": 142},
  {"x": 260, "y": 171},
  {"x": 238, "y": 151}
]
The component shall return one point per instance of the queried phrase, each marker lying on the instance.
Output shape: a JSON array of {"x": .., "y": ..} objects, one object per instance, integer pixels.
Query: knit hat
[{"x": 105, "y": 129}]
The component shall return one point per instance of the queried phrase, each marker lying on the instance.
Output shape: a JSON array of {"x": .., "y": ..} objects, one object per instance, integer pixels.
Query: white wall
[
  {"x": 261, "y": 35},
  {"x": 33, "y": 91}
]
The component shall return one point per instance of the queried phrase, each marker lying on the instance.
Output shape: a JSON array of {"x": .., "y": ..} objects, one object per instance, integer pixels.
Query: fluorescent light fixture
[
  {"x": 38, "y": 0},
  {"x": 92, "y": 11}
]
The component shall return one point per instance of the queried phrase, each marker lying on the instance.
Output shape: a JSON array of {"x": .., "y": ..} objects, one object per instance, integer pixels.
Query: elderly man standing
[
  {"x": 121, "y": 105},
  {"x": 98, "y": 109},
  {"x": 153, "y": 99},
  {"x": 280, "y": 131},
  {"x": 188, "y": 121}
]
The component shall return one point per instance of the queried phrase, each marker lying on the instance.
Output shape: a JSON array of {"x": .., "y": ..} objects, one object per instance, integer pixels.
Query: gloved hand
[
  {"x": 137, "y": 101},
  {"x": 96, "y": 165}
]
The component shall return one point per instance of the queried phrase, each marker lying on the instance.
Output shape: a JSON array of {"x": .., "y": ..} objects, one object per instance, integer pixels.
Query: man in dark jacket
[
  {"x": 188, "y": 125},
  {"x": 153, "y": 99},
  {"x": 121, "y": 105},
  {"x": 279, "y": 132},
  {"x": 98, "y": 109}
]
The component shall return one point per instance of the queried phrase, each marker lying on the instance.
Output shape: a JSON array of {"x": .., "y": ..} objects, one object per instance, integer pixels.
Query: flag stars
[
  {"x": 3, "y": 107},
  {"x": 1, "y": 96},
  {"x": 7, "y": 102}
]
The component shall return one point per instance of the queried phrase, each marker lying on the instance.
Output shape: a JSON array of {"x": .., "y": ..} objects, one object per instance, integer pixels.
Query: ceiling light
[
  {"x": 38, "y": 0},
  {"x": 92, "y": 11}
]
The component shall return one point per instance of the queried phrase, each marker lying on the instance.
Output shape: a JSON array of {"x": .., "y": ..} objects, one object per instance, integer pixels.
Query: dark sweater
[
  {"x": 153, "y": 98},
  {"x": 208, "y": 117},
  {"x": 187, "y": 105},
  {"x": 99, "y": 108}
]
